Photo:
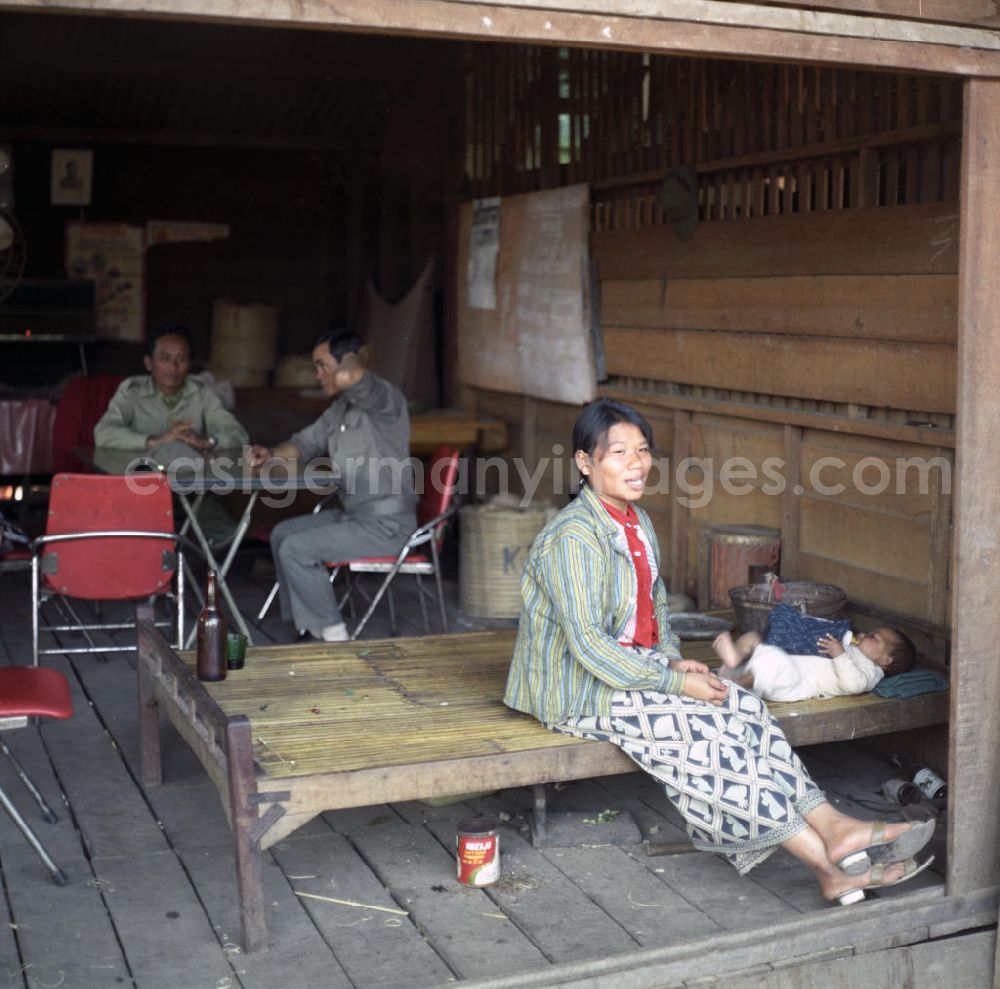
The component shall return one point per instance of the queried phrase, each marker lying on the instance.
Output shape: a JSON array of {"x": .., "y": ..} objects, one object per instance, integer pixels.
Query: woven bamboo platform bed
[{"x": 306, "y": 729}]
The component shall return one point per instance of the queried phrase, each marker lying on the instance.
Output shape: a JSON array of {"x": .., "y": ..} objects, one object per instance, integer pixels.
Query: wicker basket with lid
[{"x": 753, "y": 602}]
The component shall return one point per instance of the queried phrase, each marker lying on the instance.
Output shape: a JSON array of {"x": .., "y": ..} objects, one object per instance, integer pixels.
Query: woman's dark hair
[
  {"x": 341, "y": 342},
  {"x": 591, "y": 427},
  {"x": 168, "y": 330}
]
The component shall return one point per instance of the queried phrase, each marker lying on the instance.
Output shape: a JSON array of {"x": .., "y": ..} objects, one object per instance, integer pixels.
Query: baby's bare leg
[{"x": 733, "y": 653}]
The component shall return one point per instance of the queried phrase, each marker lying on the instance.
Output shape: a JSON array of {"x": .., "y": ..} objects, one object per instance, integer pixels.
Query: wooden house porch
[{"x": 368, "y": 897}]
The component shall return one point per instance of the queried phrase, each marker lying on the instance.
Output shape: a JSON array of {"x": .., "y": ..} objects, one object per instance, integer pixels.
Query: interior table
[{"x": 221, "y": 472}]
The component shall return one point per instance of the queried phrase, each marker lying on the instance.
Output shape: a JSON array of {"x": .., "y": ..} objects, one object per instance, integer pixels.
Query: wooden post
[
  {"x": 791, "y": 502},
  {"x": 149, "y": 713},
  {"x": 867, "y": 178},
  {"x": 550, "y": 118},
  {"x": 937, "y": 577},
  {"x": 974, "y": 752},
  {"x": 243, "y": 815},
  {"x": 529, "y": 432},
  {"x": 679, "y": 514}
]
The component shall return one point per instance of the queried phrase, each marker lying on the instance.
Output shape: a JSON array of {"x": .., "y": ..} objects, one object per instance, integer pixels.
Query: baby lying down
[{"x": 852, "y": 665}]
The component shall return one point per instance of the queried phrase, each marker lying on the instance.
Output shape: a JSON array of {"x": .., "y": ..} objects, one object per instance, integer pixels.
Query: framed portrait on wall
[{"x": 71, "y": 177}]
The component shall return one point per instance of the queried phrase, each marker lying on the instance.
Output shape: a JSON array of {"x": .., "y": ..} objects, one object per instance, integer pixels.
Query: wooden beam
[
  {"x": 816, "y": 368},
  {"x": 981, "y": 13},
  {"x": 924, "y": 435},
  {"x": 178, "y": 139},
  {"x": 791, "y": 500},
  {"x": 825, "y": 149},
  {"x": 974, "y": 756},
  {"x": 901, "y": 240},
  {"x": 804, "y": 18},
  {"x": 726, "y": 30},
  {"x": 529, "y": 431},
  {"x": 916, "y": 308},
  {"x": 941, "y": 542},
  {"x": 679, "y": 513}
]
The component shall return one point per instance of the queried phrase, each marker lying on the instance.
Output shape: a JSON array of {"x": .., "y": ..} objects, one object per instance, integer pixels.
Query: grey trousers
[{"x": 301, "y": 546}]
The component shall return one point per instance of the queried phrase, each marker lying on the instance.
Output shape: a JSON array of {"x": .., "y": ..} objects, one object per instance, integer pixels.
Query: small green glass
[{"x": 236, "y": 650}]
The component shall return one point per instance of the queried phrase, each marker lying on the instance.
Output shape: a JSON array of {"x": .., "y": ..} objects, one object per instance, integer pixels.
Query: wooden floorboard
[
  {"x": 327, "y": 865},
  {"x": 461, "y": 922},
  {"x": 152, "y": 901}
]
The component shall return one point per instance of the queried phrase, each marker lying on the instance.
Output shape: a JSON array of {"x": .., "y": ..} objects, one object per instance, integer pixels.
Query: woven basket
[
  {"x": 494, "y": 544},
  {"x": 752, "y": 606}
]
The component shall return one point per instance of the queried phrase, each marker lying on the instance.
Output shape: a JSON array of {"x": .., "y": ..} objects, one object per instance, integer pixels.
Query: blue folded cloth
[
  {"x": 798, "y": 634},
  {"x": 911, "y": 684}
]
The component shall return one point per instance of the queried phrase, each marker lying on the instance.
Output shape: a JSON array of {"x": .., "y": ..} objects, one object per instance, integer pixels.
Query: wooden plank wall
[
  {"x": 765, "y": 138},
  {"x": 810, "y": 322}
]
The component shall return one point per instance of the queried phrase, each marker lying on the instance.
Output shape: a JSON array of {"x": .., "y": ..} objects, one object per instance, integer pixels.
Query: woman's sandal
[
  {"x": 910, "y": 869},
  {"x": 882, "y": 852}
]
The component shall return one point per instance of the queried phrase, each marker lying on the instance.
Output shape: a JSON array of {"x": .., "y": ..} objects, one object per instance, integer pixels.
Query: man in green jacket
[
  {"x": 167, "y": 414},
  {"x": 166, "y": 406}
]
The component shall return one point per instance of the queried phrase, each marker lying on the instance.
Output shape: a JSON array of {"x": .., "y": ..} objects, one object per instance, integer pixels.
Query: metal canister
[
  {"x": 477, "y": 851},
  {"x": 725, "y": 555},
  {"x": 901, "y": 792},
  {"x": 930, "y": 784}
]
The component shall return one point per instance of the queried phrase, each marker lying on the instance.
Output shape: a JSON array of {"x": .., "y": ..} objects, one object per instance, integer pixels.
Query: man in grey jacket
[{"x": 365, "y": 433}]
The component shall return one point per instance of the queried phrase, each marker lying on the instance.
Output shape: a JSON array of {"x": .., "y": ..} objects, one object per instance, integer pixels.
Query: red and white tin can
[{"x": 477, "y": 847}]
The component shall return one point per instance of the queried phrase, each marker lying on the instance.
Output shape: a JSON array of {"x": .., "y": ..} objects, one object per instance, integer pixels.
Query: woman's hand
[
  {"x": 688, "y": 666},
  {"x": 705, "y": 687},
  {"x": 829, "y": 645}
]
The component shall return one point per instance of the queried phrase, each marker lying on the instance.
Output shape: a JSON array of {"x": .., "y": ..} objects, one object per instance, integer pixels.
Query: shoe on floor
[
  {"x": 910, "y": 869},
  {"x": 882, "y": 852},
  {"x": 331, "y": 633}
]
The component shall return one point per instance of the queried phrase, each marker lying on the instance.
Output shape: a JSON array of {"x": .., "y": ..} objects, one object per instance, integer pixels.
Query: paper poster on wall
[
  {"x": 113, "y": 256},
  {"x": 184, "y": 232},
  {"x": 484, "y": 246},
  {"x": 539, "y": 340},
  {"x": 70, "y": 178}
]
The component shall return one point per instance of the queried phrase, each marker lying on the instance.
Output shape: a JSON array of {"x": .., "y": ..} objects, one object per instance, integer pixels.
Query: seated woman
[{"x": 595, "y": 658}]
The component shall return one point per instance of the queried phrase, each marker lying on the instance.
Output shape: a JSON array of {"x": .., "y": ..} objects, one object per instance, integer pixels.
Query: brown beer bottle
[{"x": 211, "y": 635}]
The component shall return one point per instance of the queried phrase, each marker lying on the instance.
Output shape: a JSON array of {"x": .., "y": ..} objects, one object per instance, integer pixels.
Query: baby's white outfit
[{"x": 779, "y": 676}]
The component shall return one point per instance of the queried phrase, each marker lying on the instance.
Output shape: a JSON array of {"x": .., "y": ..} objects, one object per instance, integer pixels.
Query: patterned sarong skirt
[{"x": 728, "y": 769}]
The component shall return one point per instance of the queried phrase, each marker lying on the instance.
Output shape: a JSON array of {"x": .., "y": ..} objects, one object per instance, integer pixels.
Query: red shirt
[{"x": 646, "y": 632}]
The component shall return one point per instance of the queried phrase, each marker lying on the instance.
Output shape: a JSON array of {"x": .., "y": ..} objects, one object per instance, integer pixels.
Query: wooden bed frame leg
[
  {"x": 540, "y": 817},
  {"x": 149, "y": 715},
  {"x": 243, "y": 806}
]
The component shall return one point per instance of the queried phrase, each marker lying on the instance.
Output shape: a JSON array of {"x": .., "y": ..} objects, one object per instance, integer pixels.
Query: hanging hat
[{"x": 680, "y": 200}]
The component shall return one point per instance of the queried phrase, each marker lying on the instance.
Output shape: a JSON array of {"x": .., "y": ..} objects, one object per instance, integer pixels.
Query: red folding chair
[
  {"x": 107, "y": 538},
  {"x": 31, "y": 692},
  {"x": 81, "y": 405},
  {"x": 421, "y": 556}
]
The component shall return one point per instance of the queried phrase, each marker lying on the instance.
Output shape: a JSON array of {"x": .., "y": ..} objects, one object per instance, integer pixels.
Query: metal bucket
[
  {"x": 477, "y": 852},
  {"x": 725, "y": 555}
]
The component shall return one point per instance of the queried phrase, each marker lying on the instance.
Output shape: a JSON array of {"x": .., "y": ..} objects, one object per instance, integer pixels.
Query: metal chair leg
[
  {"x": 392, "y": 609},
  {"x": 373, "y": 604},
  {"x": 67, "y": 609},
  {"x": 36, "y": 607},
  {"x": 47, "y": 812},
  {"x": 423, "y": 604},
  {"x": 268, "y": 601},
  {"x": 58, "y": 876},
  {"x": 435, "y": 556}
]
